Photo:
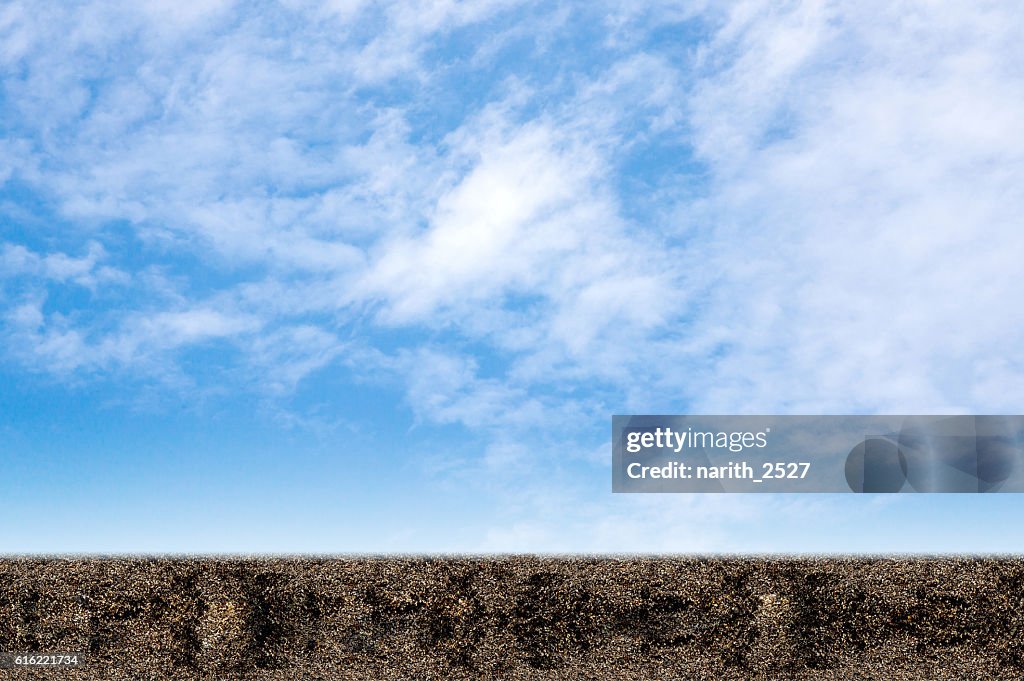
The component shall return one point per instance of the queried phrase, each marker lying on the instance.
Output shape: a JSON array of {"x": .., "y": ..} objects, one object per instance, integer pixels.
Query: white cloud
[
  {"x": 51, "y": 341},
  {"x": 286, "y": 356},
  {"x": 17, "y": 261},
  {"x": 16, "y": 32},
  {"x": 445, "y": 388},
  {"x": 863, "y": 211},
  {"x": 397, "y": 50},
  {"x": 181, "y": 16},
  {"x": 504, "y": 228},
  {"x": 189, "y": 326}
]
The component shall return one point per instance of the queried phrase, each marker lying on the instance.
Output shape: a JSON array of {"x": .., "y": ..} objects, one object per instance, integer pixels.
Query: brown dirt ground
[{"x": 517, "y": 617}]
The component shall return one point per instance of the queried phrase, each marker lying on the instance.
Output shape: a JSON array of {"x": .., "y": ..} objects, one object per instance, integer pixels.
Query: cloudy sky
[{"x": 373, "y": 275}]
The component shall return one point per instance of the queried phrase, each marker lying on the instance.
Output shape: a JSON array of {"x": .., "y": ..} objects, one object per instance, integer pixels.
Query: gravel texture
[{"x": 517, "y": 617}]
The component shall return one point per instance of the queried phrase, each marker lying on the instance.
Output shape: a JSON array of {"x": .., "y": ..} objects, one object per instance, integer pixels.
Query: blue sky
[{"x": 352, "y": 276}]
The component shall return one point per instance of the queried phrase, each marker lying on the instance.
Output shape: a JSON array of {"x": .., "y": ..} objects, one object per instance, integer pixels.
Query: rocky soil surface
[{"x": 516, "y": 617}]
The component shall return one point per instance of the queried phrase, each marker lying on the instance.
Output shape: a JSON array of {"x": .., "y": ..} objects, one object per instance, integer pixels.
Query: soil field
[{"x": 516, "y": 617}]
